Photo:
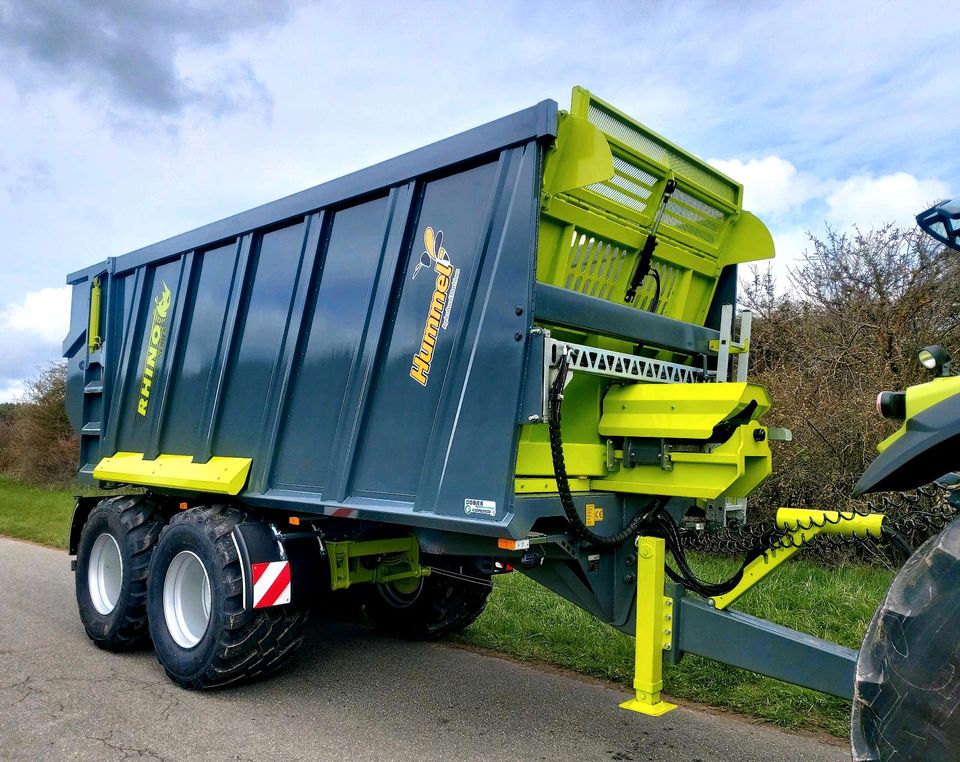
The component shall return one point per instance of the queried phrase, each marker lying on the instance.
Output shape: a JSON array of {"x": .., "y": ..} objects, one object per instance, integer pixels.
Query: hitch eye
[
  {"x": 935, "y": 358},
  {"x": 892, "y": 405}
]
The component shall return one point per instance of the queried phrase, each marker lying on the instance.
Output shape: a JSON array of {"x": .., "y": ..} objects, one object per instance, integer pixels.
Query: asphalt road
[{"x": 349, "y": 695}]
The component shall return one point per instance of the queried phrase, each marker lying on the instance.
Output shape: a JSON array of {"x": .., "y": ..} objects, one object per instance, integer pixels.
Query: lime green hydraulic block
[
  {"x": 687, "y": 416},
  {"x": 654, "y": 630},
  {"x": 733, "y": 469}
]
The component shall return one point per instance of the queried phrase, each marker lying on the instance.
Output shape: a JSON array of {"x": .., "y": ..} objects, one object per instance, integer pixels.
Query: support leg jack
[{"x": 654, "y": 630}]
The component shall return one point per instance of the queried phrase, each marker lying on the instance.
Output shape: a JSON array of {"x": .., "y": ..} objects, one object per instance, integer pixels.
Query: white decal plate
[{"x": 482, "y": 507}]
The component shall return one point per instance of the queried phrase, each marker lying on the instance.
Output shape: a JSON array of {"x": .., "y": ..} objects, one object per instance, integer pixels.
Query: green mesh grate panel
[
  {"x": 663, "y": 154},
  {"x": 630, "y": 186},
  {"x": 694, "y": 217}
]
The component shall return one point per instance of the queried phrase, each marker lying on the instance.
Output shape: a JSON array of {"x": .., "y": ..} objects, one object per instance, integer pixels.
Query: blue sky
[{"x": 125, "y": 123}]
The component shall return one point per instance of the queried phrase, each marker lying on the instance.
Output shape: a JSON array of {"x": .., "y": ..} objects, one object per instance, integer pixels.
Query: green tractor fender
[{"x": 923, "y": 450}]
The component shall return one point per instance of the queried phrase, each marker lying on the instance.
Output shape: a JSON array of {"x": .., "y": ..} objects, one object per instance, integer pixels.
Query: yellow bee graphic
[{"x": 433, "y": 251}]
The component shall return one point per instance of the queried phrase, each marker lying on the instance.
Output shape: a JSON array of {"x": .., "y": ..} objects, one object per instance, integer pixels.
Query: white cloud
[
  {"x": 793, "y": 202},
  {"x": 771, "y": 185},
  {"x": 874, "y": 201},
  {"x": 11, "y": 392},
  {"x": 790, "y": 244},
  {"x": 44, "y": 314},
  {"x": 32, "y": 329}
]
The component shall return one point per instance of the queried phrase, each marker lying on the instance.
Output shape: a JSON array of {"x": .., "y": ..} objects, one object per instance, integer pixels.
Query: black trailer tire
[
  {"x": 906, "y": 702},
  {"x": 435, "y": 607},
  {"x": 202, "y": 635},
  {"x": 113, "y": 563}
]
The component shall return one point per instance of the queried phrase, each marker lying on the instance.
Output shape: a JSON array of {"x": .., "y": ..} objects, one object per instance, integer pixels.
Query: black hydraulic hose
[
  {"x": 654, "y": 521},
  {"x": 899, "y": 542},
  {"x": 563, "y": 484},
  {"x": 667, "y": 528},
  {"x": 655, "y": 302}
]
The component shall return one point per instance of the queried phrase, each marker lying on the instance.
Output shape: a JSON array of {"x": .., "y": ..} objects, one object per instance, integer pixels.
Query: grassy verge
[
  {"x": 529, "y": 622},
  {"x": 38, "y": 514}
]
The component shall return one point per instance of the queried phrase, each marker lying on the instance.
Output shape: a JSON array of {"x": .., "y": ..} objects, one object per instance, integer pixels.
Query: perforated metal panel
[
  {"x": 669, "y": 280},
  {"x": 595, "y": 266}
]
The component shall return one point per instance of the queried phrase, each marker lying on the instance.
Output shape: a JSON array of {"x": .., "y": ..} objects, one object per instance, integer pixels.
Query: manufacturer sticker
[
  {"x": 158, "y": 339},
  {"x": 434, "y": 256},
  {"x": 594, "y": 514},
  {"x": 482, "y": 507}
]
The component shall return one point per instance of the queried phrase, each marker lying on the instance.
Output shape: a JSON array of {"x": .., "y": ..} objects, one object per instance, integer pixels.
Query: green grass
[
  {"x": 38, "y": 514},
  {"x": 528, "y": 622}
]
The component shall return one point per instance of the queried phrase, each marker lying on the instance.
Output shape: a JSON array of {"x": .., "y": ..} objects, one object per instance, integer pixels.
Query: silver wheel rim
[
  {"x": 105, "y": 573},
  {"x": 186, "y": 599}
]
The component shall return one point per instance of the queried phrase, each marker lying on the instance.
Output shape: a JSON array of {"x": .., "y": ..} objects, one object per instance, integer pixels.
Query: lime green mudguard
[{"x": 919, "y": 398}]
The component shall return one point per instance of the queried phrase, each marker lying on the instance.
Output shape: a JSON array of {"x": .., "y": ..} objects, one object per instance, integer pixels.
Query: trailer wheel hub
[
  {"x": 186, "y": 599},
  {"x": 105, "y": 573},
  {"x": 402, "y": 592}
]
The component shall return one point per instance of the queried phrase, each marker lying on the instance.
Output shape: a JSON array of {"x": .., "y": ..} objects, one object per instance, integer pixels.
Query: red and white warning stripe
[{"x": 271, "y": 584}]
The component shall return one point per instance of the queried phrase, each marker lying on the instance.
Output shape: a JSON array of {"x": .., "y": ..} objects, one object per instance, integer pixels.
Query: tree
[
  {"x": 857, "y": 310},
  {"x": 37, "y": 443}
]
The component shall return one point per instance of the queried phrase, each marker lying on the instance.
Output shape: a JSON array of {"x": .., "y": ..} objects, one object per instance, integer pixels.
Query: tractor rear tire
[
  {"x": 202, "y": 634},
  {"x": 432, "y": 608},
  {"x": 906, "y": 702},
  {"x": 113, "y": 561}
]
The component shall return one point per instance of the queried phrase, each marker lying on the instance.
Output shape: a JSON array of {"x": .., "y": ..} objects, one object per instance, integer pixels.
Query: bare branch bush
[
  {"x": 37, "y": 443},
  {"x": 856, "y": 311}
]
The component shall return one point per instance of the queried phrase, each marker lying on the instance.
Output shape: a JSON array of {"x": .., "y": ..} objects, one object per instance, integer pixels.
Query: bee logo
[{"x": 432, "y": 253}]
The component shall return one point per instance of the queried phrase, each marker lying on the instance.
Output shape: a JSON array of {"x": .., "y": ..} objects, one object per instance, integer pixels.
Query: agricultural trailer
[{"x": 511, "y": 351}]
